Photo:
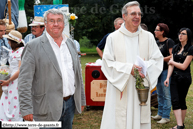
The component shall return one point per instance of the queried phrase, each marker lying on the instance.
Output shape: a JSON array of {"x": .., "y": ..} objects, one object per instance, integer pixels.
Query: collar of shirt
[
  {"x": 52, "y": 40},
  {"x": 1, "y": 40},
  {"x": 32, "y": 35}
]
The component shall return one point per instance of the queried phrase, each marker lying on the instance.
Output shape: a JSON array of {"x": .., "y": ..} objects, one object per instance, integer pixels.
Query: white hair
[
  {"x": 129, "y": 4},
  {"x": 53, "y": 11}
]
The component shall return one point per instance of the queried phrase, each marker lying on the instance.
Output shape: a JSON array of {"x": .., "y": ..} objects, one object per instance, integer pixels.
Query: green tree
[
  {"x": 29, "y": 13},
  {"x": 95, "y": 17}
]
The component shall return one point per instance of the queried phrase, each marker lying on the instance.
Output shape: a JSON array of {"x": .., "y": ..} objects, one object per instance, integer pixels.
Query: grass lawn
[{"x": 92, "y": 119}]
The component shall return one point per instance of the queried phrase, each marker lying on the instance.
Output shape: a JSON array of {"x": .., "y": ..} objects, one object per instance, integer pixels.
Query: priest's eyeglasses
[
  {"x": 52, "y": 22},
  {"x": 134, "y": 14}
]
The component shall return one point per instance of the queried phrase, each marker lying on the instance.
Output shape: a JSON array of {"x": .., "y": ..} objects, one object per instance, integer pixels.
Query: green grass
[
  {"x": 92, "y": 119},
  {"x": 88, "y": 50}
]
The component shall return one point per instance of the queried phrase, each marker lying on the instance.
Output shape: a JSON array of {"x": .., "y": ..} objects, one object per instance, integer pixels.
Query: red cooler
[{"x": 95, "y": 86}]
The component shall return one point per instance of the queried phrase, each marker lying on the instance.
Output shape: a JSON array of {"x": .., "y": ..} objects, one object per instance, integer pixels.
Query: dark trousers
[{"x": 179, "y": 89}]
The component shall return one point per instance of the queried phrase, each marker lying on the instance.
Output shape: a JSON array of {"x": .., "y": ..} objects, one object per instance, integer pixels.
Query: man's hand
[{"x": 28, "y": 117}]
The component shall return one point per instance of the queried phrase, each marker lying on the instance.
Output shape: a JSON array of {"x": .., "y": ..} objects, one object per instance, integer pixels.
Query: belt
[{"x": 66, "y": 98}]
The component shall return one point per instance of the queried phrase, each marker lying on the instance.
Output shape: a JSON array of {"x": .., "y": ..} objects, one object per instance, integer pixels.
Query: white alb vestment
[{"x": 120, "y": 53}]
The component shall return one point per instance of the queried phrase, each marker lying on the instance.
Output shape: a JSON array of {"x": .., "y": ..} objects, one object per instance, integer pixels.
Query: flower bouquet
[{"x": 4, "y": 75}]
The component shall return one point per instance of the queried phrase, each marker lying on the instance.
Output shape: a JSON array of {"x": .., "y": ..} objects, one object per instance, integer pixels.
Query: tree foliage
[
  {"x": 29, "y": 13},
  {"x": 96, "y": 17}
]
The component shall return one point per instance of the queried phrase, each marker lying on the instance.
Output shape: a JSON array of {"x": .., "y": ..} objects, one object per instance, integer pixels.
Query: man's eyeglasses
[
  {"x": 134, "y": 14},
  {"x": 52, "y": 22},
  {"x": 182, "y": 34}
]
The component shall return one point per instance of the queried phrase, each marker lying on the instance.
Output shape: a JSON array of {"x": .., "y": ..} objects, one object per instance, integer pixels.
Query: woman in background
[
  {"x": 9, "y": 103},
  {"x": 165, "y": 45},
  {"x": 179, "y": 70}
]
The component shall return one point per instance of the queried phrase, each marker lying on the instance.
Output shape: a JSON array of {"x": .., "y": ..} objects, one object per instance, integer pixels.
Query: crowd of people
[{"x": 46, "y": 80}]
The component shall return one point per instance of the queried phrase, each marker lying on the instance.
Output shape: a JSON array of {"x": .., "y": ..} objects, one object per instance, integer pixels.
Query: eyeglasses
[
  {"x": 52, "y": 22},
  {"x": 157, "y": 30},
  {"x": 134, "y": 14},
  {"x": 182, "y": 34}
]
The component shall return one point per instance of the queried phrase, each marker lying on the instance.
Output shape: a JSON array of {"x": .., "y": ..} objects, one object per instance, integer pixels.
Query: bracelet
[{"x": 9, "y": 80}]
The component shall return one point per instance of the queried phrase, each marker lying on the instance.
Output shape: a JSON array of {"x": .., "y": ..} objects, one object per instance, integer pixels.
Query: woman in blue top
[{"x": 179, "y": 70}]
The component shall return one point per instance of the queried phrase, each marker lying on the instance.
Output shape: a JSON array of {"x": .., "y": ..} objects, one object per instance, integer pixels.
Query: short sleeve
[
  {"x": 171, "y": 43},
  {"x": 102, "y": 43},
  {"x": 190, "y": 51},
  {"x": 18, "y": 53}
]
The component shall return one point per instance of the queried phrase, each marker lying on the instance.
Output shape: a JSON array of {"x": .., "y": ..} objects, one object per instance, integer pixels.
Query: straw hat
[
  {"x": 37, "y": 21},
  {"x": 15, "y": 36}
]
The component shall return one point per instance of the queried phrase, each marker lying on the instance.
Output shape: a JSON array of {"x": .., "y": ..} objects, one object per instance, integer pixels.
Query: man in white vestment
[{"x": 122, "y": 109}]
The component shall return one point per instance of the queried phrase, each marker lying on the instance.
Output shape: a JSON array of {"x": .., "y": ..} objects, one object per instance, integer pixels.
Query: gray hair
[
  {"x": 116, "y": 20},
  {"x": 129, "y": 4},
  {"x": 52, "y": 11}
]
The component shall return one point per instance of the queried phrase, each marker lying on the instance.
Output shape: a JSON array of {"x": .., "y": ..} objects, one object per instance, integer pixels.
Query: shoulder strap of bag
[{"x": 167, "y": 46}]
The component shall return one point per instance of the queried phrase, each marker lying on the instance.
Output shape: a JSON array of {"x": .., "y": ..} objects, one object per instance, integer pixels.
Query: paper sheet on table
[{"x": 140, "y": 62}]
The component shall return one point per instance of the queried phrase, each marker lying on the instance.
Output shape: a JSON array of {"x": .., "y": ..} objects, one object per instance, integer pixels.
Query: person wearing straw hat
[
  {"x": 9, "y": 103},
  {"x": 50, "y": 80},
  {"x": 37, "y": 29}
]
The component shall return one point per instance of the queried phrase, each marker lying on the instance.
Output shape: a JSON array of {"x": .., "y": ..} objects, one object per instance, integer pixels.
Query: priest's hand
[
  {"x": 137, "y": 67},
  {"x": 141, "y": 74}
]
